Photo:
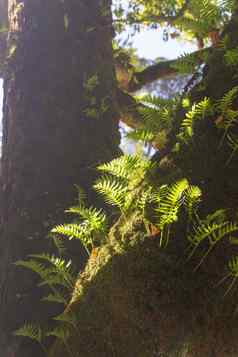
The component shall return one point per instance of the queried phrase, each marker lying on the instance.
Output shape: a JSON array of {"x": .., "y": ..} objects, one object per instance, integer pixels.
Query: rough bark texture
[
  {"x": 59, "y": 122},
  {"x": 3, "y": 34}
]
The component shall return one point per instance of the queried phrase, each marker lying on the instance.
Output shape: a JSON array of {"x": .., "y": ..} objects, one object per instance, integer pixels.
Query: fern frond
[
  {"x": 157, "y": 102},
  {"x": 34, "y": 266},
  {"x": 143, "y": 135},
  {"x": 214, "y": 232},
  {"x": 233, "y": 143},
  {"x": 96, "y": 218},
  {"x": 231, "y": 57},
  {"x": 76, "y": 231},
  {"x": 186, "y": 63},
  {"x": 113, "y": 189},
  {"x": 233, "y": 266},
  {"x": 123, "y": 166},
  {"x": 34, "y": 332},
  {"x": 60, "y": 268},
  {"x": 56, "y": 297},
  {"x": 225, "y": 103},
  {"x": 69, "y": 317},
  {"x": 192, "y": 197},
  {"x": 198, "y": 111},
  {"x": 169, "y": 200}
]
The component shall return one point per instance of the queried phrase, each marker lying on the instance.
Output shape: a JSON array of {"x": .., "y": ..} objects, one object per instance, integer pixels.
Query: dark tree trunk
[{"x": 59, "y": 122}]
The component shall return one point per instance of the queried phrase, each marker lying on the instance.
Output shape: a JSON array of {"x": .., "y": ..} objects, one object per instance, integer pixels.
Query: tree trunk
[{"x": 59, "y": 121}]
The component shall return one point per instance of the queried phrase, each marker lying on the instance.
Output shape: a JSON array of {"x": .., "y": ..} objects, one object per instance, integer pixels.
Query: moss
[{"x": 139, "y": 301}]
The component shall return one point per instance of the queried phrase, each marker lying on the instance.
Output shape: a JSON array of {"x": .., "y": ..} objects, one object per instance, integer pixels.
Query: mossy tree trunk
[
  {"x": 145, "y": 301},
  {"x": 59, "y": 121}
]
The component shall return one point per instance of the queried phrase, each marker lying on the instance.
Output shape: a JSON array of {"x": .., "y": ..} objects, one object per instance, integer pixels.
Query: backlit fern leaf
[
  {"x": 113, "y": 190},
  {"x": 187, "y": 62},
  {"x": 96, "y": 218},
  {"x": 124, "y": 166},
  {"x": 192, "y": 196},
  {"x": 198, "y": 111},
  {"x": 143, "y": 135},
  {"x": 76, "y": 231},
  {"x": 169, "y": 200}
]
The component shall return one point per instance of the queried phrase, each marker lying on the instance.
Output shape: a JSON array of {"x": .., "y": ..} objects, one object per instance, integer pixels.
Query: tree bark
[{"x": 59, "y": 121}]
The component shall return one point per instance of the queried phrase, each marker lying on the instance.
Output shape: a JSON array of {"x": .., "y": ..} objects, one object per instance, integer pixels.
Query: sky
[{"x": 150, "y": 45}]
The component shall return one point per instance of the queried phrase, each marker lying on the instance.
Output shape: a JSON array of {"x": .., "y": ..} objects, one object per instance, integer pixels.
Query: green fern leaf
[{"x": 34, "y": 332}]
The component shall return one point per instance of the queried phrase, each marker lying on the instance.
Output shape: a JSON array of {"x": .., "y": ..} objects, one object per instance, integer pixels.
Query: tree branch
[
  {"x": 128, "y": 110},
  {"x": 161, "y": 70}
]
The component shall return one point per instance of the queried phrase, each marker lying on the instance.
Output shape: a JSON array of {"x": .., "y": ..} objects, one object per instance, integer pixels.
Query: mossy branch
[{"x": 161, "y": 70}]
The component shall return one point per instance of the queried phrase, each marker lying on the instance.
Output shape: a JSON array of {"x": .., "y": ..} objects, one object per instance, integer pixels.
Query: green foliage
[
  {"x": 54, "y": 272},
  {"x": 34, "y": 332},
  {"x": 233, "y": 143},
  {"x": 196, "y": 19},
  {"x": 186, "y": 63},
  {"x": 29, "y": 330},
  {"x": 231, "y": 57},
  {"x": 157, "y": 116},
  {"x": 225, "y": 103},
  {"x": 121, "y": 183},
  {"x": 124, "y": 184},
  {"x": 198, "y": 111},
  {"x": 90, "y": 225}
]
